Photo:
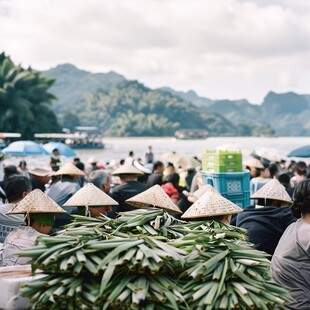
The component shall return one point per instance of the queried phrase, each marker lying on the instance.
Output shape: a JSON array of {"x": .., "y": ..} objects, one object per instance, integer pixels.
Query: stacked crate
[{"x": 223, "y": 170}]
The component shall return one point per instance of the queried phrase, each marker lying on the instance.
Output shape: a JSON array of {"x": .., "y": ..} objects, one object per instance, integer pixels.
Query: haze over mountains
[{"x": 123, "y": 107}]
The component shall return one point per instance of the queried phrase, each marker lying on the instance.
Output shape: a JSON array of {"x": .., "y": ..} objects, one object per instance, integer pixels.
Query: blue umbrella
[
  {"x": 24, "y": 148},
  {"x": 303, "y": 151},
  {"x": 63, "y": 148}
]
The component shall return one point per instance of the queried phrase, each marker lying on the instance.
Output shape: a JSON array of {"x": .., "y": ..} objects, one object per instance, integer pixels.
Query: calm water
[{"x": 118, "y": 148}]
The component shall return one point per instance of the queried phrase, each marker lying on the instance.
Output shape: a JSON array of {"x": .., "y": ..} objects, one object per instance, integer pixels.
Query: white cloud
[{"x": 222, "y": 49}]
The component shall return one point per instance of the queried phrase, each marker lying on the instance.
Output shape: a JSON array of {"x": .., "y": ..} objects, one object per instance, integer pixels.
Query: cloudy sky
[{"x": 220, "y": 48}]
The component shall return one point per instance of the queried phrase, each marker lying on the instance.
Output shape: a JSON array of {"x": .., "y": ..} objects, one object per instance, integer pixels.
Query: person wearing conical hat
[
  {"x": 212, "y": 205},
  {"x": 128, "y": 188},
  {"x": 39, "y": 211},
  {"x": 62, "y": 189},
  {"x": 267, "y": 220},
  {"x": 154, "y": 197},
  {"x": 91, "y": 201}
]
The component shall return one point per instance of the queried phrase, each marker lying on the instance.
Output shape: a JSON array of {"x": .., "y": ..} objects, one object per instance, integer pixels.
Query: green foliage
[
  {"x": 24, "y": 100},
  {"x": 131, "y": 109}
]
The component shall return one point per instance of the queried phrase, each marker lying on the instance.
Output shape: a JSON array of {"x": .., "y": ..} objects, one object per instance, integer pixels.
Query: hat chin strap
[{"x": 87, "y": 212}]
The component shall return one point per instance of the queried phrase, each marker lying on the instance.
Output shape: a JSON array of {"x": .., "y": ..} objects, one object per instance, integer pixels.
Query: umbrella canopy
[
  {"x": 24, "y": 148},
  {"x": 303, "y": 151},
  {"x": 64, "y": 149},
  {"x": 183, "y": 160},
  {"x": 268, "y": 153}
]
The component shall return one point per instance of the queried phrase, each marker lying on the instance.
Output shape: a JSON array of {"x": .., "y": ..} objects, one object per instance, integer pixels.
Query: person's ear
[{"x": 24, "y": 194}]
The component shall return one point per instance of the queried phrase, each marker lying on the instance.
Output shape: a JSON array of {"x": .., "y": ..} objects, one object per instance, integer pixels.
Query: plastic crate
[
  {"x": 241, "y": 200},
  {"x": 218, "y": 168},
  {"x": 222, "y": 161},
  {"x": 230, "y": 183},
  {"x": 221, "y": 156}
]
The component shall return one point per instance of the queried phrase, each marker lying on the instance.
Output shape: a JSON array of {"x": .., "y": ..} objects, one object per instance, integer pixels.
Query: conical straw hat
[
  {"x": 211, "y": 203},
  {"x": 36, "y": 202},
  {"x": 90, "y": 195},
  {"x": 272, "y": 190},
  {"x": 127, "y": 169},
  {"x": 193, "y": 197},
  {"x": 70, "y": 169},
  {"x": 154, "y": 197},
  {"x": 253, "y": 162}
]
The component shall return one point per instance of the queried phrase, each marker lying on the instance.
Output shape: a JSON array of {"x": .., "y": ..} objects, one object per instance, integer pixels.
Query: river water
[{"x": 118, "y": 148}]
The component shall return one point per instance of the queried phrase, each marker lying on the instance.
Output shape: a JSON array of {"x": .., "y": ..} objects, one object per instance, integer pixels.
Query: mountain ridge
[{"x": 278, "y": 111}]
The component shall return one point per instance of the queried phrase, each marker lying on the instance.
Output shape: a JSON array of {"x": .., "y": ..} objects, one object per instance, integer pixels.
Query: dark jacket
[
  {"x": 155, "y": 178},
  {"x": 265, "y": 225},
  {"x": 123, "y": 192}
]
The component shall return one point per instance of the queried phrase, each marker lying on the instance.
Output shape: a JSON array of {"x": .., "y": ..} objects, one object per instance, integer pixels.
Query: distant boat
[
  {"x": 5, "y": 138},
  {"x": 186, "y": 134},
  {"x": 83, "y": 137}
]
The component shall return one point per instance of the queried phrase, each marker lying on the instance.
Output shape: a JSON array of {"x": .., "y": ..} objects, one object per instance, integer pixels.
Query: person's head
[
  {"x": 131, "y": 153},
  {"x": 273, "y": 168},
  {"x": 76, "y": 160},
  {"x": 150, "y": 148},
  {"x": 284, "y": 179},
  {"x": 100, "y": 179},
  {"x": 122, "y": 162},
  {"x": 22, "y": 165},
  {"x": 10, "y": 170},
  {"x": 55, "y": 152},
  {"x": 17, "y": 187},
  {"x": 301, "y": 168},
  {"x": 173, "y": 178},
  {"x": 42, "y": 222},
  {"x": 42, "y": 175},
  {"x": 158, "y": 167},
  {"x": 80, "y": 165},
  {"x": 301, "y": 199},
  {"x": 170, "y": 167}
]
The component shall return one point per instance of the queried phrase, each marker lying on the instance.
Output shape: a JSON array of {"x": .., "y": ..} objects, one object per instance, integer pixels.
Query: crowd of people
[{"x": 276, "y": 188}]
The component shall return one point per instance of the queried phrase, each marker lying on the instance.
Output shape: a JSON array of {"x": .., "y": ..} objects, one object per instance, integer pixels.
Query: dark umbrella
[{"x": 303, "y": 151}]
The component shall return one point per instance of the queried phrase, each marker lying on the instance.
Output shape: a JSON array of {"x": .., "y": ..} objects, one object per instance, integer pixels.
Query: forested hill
[
  {"x": 131, "y": 109},
  {"x": 128, "y": 108}
]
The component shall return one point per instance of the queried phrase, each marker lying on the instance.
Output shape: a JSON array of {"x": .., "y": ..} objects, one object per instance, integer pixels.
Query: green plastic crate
[{"x": 222, "y": 161}]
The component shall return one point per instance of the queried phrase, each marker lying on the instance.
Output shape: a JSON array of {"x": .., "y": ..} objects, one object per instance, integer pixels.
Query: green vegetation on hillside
[
  {"x": 25, "y": 100},
  {"x": 131, "y": 109}
]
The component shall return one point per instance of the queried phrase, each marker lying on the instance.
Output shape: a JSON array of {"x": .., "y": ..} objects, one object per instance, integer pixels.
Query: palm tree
[{"x": 24, "y": 100}]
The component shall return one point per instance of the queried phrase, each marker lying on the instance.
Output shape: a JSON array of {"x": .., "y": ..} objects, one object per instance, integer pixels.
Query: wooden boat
[
  {"x": 83, "y": 137},
  {"x": 186, "y": 134}
]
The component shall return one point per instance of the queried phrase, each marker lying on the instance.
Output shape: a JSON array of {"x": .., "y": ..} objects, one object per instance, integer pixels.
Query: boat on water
[
  {"x": 81, "y": 138},
  {"x": 7, "y": 137},
  {"x": 186, "y": 134}
]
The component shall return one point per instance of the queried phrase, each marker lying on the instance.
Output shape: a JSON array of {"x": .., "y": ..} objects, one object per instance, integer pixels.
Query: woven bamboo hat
[
  {"x": 155, "y": 196},
  {"x": 70, "y": 169},
  {"x": 41, "y": 172},
  {"x": 90, "y": 196},
  {"x": 36, "y": 202},
  {"x": 211, "y": 203},
  {"x": 193, "y": 197},
  {"x": 272, "y": 190},
  {"x": 127, "y": 169},
  {"x": 253, "y": 162}
]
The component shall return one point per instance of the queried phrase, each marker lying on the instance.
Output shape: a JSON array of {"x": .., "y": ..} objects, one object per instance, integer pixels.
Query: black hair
[
  {"x": 157, "y": 164},
  {"x": 174, "y": 178},
  {"x": 22, "y": 163},
  {"x": 15, "y": 186},
  {"x": 284, "y": 179},
  {"x": 10, "y": 170},
  {"x": 273, "y": 168},
  {"x": 301, "y": 198},
  {"x": 80, "y": 165}
]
